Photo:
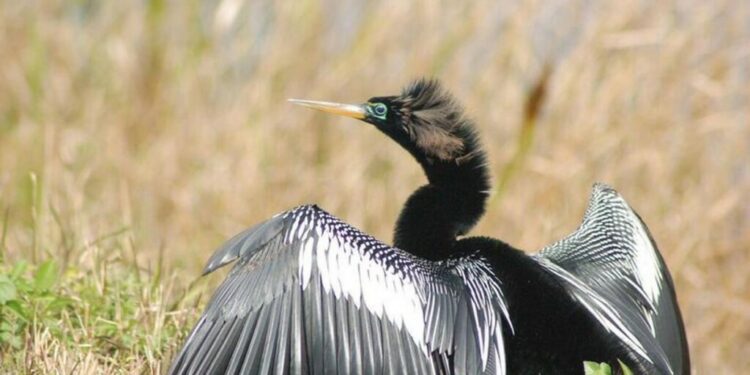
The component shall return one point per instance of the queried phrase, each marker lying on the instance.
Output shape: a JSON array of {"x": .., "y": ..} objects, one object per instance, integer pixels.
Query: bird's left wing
[
  {"x": 312, "y": 295},
  {"x": 612, "y": 266}
]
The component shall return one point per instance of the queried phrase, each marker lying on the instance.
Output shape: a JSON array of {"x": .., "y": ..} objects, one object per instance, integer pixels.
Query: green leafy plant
[
  {"x": 28, "y": 297},
  {"x": 593, "y": 368},
  {"x": 112, "y": 311}
]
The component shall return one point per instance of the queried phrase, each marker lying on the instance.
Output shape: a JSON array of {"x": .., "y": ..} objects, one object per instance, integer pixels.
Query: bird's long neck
[{"x": 449, "y": 206}]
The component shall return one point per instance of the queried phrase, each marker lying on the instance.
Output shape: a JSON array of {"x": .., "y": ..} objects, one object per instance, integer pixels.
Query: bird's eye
[{"x": 379, "y": 110}]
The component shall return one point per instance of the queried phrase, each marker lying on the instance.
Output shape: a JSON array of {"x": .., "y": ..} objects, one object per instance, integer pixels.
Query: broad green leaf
[
  {"x": 18, "y": 309},
  {"x": 45, "y": 276},
  {"x": 593, "y": 368},
  {"x": 7, "y": 289}
]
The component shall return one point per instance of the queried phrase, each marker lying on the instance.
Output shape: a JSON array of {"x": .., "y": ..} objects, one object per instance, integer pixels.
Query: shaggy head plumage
[{"x": 432, "y": 119}]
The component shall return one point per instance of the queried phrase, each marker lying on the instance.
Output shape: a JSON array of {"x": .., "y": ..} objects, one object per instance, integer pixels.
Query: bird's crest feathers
[{"x": 434, "y": 119}]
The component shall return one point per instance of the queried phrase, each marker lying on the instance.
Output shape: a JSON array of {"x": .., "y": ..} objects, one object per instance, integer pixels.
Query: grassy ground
[{"x": 135, "y": 137}]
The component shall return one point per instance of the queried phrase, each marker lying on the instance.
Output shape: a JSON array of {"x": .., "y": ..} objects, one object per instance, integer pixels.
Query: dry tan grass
[{"x": 170, "y": 119}]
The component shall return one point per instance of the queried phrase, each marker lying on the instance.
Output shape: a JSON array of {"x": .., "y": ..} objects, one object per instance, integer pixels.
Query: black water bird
[{"x": 311, "y": 294}]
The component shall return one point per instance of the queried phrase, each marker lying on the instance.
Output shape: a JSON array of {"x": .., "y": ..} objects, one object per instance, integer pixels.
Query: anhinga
[{"x": 311, "y": 294}]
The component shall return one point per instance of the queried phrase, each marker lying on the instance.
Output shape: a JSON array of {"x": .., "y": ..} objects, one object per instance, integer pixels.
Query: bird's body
[
  {"x": 311, "y": 294},
  {"x": 550, "y": 335}
]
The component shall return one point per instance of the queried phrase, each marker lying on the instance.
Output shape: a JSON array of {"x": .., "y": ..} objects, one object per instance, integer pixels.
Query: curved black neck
[{"x": 449, "y": 206}]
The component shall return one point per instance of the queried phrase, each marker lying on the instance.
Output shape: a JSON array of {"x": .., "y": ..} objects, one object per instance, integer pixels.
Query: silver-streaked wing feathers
[
  {"x": 311, "y": 294},
  {"x": 612, "y": 266}
]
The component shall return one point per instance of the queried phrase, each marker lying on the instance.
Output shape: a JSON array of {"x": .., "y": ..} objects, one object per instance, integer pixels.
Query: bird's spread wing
[
  {"x": 311, "y": 294},
  {"x": 612, "y": 266}
]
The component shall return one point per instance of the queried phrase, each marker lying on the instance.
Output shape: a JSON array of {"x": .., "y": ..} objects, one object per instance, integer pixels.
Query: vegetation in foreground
[{"x": 110, "y": 316}]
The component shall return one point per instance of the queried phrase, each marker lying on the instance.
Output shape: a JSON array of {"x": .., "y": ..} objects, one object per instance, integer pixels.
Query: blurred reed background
[{"x": 135, "y": 136}]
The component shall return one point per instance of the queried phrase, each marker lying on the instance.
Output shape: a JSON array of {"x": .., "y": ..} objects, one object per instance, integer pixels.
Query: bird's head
[{"x": 424, "y": 119}]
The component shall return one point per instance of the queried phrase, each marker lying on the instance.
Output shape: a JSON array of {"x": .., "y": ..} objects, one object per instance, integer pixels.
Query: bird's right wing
[{"x": 311, "y": 294}]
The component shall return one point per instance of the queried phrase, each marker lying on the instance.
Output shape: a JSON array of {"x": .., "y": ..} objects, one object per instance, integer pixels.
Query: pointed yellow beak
[{"x": 348, "y": 110}]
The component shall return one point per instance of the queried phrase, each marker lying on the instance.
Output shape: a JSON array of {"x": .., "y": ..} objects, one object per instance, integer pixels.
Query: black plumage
[{"x": 310, "y": 294}]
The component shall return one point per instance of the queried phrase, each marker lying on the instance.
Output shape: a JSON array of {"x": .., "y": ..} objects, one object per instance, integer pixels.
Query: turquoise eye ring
[{"x": 378, "y": 110}]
